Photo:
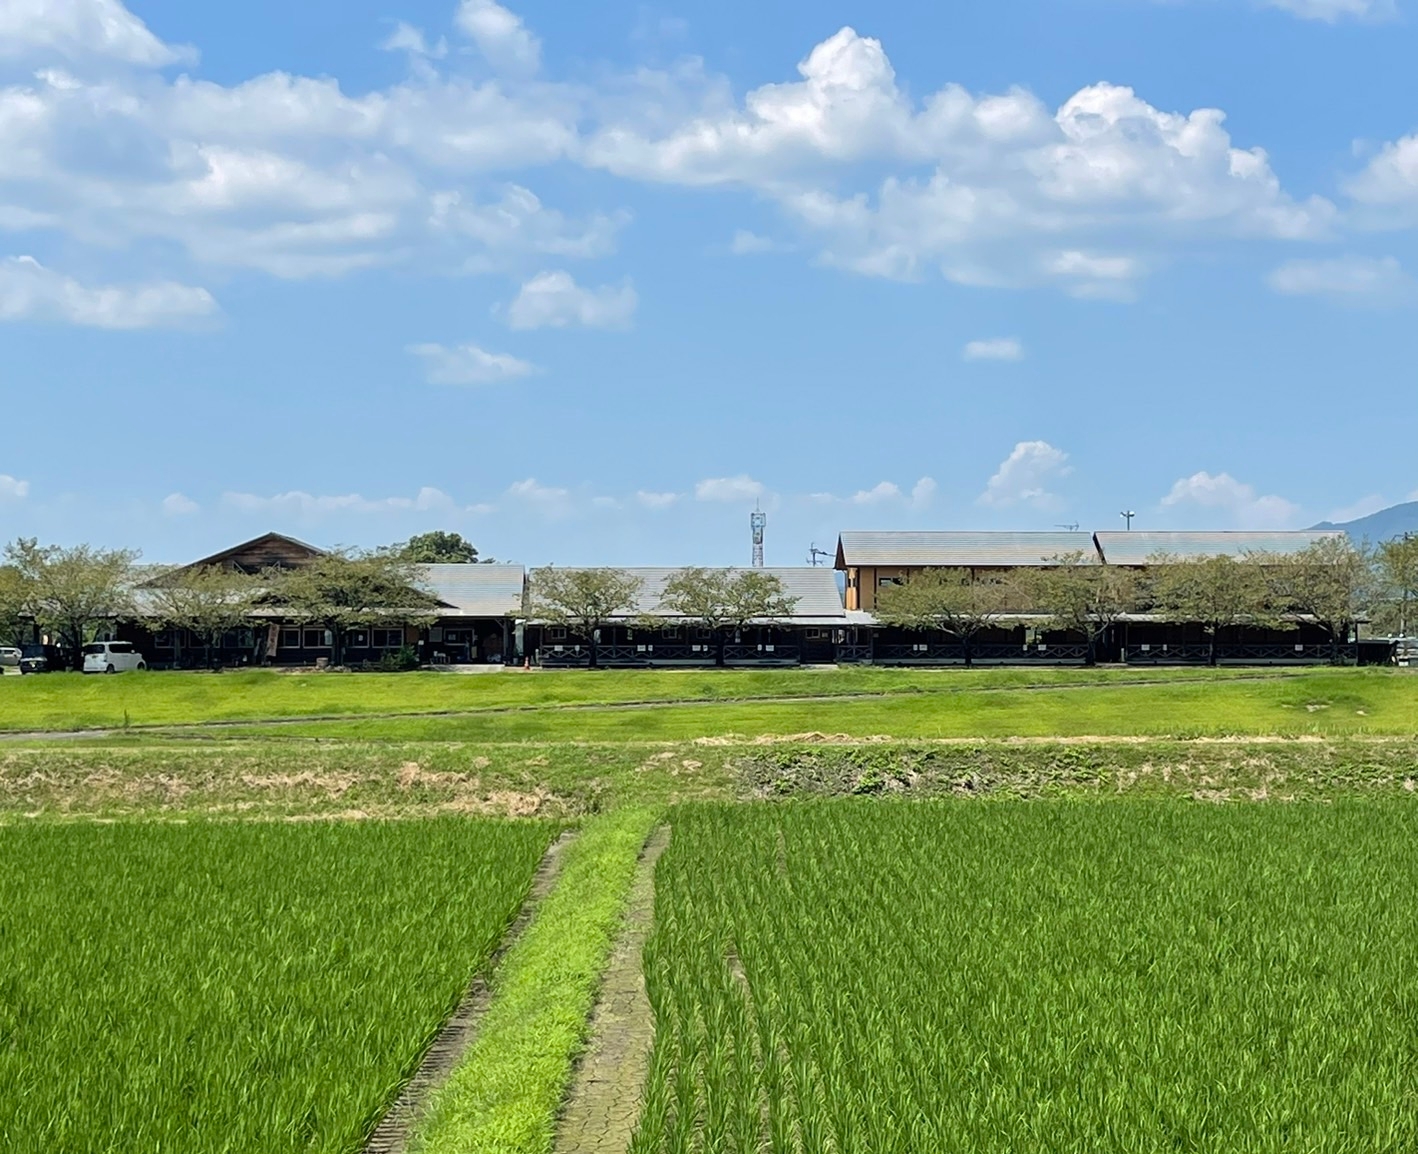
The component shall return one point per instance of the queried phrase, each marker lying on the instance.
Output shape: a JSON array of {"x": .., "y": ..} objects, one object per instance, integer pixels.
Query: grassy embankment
[
  {"x": 985, "y": 704},
  {"x": 60, "y": 702},
  {"x": 217, "y": 987}
]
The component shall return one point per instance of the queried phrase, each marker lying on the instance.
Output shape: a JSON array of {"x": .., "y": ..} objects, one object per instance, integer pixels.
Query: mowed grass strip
[
  {"x": 504, "y": 1097},
  {"x": 259, "y": 987},
  {"x": 864, "y": 976},
  {"x": 71, "y": 701},
  {"x": 1327, "y": 702}
]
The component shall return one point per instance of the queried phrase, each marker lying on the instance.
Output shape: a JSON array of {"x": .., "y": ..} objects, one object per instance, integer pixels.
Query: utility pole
[{"x": 1127, "y": 515}]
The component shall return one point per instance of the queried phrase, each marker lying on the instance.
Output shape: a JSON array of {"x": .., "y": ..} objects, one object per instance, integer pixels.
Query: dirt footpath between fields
[
  {"x": 603, "y": 1106},
  {"x": 392, "y": 1134}
]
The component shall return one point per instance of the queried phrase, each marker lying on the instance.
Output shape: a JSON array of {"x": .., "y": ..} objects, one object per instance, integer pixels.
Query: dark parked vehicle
[{"x": 42, "y": 659}]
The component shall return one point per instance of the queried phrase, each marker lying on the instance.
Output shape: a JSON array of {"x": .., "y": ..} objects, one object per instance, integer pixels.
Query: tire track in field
[
  {"x": 395, "y": 1129},
  {"x": 185, "y": 728},
  {"x": 603, "y": 1105}
]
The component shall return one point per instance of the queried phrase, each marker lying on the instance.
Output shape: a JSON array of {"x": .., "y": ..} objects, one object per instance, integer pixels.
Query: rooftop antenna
[
  {"x": 1071, "y": 528},
  {"x": 815, "y": 556},
  {"x": 1127, "y": 515},
  {"x": 757, "y": 521}
]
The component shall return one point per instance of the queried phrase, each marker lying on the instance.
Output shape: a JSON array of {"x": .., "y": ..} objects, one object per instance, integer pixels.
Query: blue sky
[{"x": 586, "y": 282}]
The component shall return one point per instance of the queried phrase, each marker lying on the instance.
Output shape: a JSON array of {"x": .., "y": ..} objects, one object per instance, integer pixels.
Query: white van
[{"x": 112, "y": 657}]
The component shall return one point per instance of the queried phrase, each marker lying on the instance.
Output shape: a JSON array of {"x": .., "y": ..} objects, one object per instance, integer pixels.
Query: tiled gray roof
[
  {"x": 963, "y": 549},
  {"x": 1120, "y": 547},
  {"x": 477, "y": 590}
]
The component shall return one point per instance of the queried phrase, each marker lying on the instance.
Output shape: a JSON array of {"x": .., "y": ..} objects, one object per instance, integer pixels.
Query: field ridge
[{"x": 451, "y": 1042}]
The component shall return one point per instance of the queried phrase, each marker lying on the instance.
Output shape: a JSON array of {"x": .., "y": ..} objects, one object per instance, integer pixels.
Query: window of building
[
  {"x": 388, "y": 638},
  {"x": 816, "y": 634},
  {"x": 290, "y": 638},
  {"x": 162, "y": 639},
  {"x": 669, "y": 632},
  {"x": 318, "y": 639},
  {"x": 556, "y": 633},
  {"x": 457, "y": 636},
  {"x": 357, "y": 639},
  {"x": 883, "y": 582}
]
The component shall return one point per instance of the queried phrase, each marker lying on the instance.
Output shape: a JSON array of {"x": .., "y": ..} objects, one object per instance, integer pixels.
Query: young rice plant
[
  {"x": 858, "y": 976},
  {"x": 236, "y": 987}
]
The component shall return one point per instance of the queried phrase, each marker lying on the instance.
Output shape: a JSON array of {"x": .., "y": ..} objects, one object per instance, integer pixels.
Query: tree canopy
[
  {"x": 723, "y": 599},
  {"x": 344, "y": 591},
  {"x": 1332, "y": 582},
  {"x": 1398, "y": 571},
  {"x": 954, "y": 601},
  {"x": 206, "y": 601},
  {"x": 582, "y": 600},
  {"x": 14, "y": 604},
  {"x": 1082, "y": 596},
  {"x": 71, "y": 591},
  {"x": 439, "y": 547}
]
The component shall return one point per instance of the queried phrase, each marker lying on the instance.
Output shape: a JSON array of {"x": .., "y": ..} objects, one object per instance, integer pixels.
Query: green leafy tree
[
  {"x": 583, "y": 601},
  {"x": 723, "y": 600},
  {"x": 72, "y": 591},
  {"x": 437, "y": 548},
  {"x": 1398, "y": 570},
  {"x": 14, "y": 606},
  {"x": 1082, "y": 596},
  {"x": 205, "y": 601},
  {"x": 954, "y": 601},
  {"x": 1332, "y": 583},
  {"x": 340, "y": 591},
  {"x": 1216, "y": 593}
]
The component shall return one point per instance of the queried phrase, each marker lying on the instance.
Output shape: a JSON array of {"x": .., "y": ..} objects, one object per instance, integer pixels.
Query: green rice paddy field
[
  {"x": 1078, "y": 912},
  {"x": 256, "y": 987},
  {"x": 853, "y": 977}
]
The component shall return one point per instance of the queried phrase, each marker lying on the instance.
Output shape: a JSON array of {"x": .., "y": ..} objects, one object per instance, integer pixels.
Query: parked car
[
  {"x": 9, "y": 658},
  {"x": 112, "y": 657},
  {"x": 43, "y": 659}
]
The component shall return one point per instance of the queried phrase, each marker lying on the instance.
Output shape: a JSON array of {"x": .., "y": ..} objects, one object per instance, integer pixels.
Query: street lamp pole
[{"x": 1127, "y": 515}]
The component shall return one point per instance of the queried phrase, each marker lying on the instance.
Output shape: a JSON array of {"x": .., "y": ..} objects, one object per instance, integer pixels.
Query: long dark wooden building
[
  {"x": 481, "y": 616},
  {"x": 870, "y": 561}
]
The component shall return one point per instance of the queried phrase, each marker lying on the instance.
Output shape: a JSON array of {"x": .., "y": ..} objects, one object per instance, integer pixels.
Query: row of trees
[
  {"x": 585, "y": 601},
  {"x": 73, "y": 593},
  {"x": 1333, "y": 585}
]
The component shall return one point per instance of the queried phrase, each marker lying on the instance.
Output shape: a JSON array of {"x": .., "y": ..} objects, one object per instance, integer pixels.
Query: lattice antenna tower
[{"x": 758, "y": 521}]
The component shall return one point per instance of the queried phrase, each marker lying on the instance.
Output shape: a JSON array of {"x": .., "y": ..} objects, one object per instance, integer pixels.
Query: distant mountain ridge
[{"x": 1384, "y": 525}]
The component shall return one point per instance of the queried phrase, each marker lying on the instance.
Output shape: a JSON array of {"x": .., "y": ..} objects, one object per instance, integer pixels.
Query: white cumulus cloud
[
  {"x": 555, "y": 300},
  {"x": 29, "y": 291},
  {"x": 500, "y": 35},
  {"x": 981, "y": 187},
  {"x": 1356, "y": 278},
  {"x": 995, "y": 349},
  {"x": 75, "y": 29},
  {"x": 468, "y": 364},
  {"x": 1222, "y": 493},
  {"x": 407, "y": 38},
  {"x": 1025, "y": 475},
  {"x": 12, "y": 488},
  {"x": 740, "y": 488},
  {"x": 746, "y": 243},
  {"x": 178, "y": 505},
  {"x": 310, "y": 506},
  {"x": 653, "y": 500},
  {"x": 1331, "y": 11}
]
